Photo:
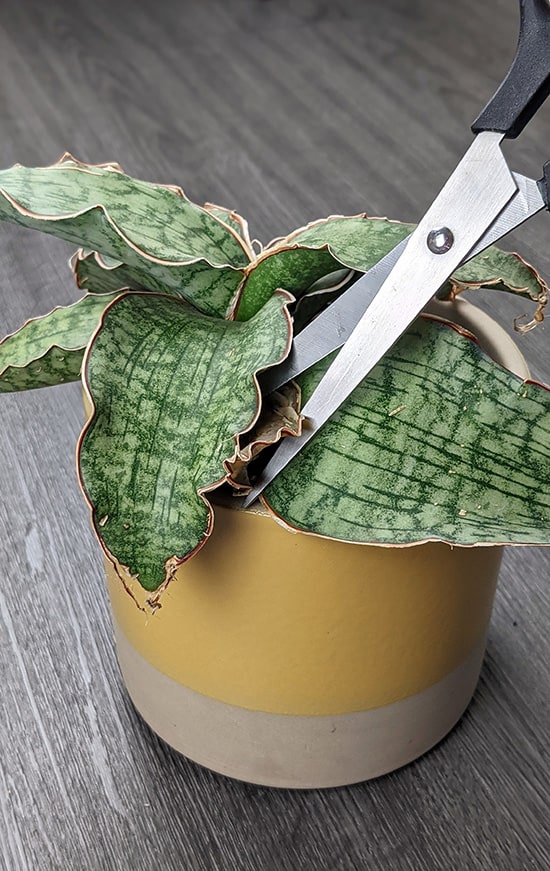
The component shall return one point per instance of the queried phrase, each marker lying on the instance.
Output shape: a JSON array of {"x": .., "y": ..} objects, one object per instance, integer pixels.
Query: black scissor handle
[{"x": 527, "y": 84}]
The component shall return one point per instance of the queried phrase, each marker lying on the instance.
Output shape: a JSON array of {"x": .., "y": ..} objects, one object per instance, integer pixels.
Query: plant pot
[{"x": 289, "y": 660}]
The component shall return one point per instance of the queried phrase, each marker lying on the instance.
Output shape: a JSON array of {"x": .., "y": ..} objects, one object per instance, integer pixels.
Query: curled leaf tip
[{"x": 522, "y": 325}]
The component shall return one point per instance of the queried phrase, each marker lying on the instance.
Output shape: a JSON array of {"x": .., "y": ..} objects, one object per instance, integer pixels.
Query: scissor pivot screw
[{"x": 440, "y": 241}]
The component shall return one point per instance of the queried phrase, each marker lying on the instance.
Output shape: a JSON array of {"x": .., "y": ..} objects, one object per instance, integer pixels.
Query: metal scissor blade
[
  {"x": 333, "y": 326},
  {"x": 473, "y": 197},
  {"x": 526, "y": 203}
]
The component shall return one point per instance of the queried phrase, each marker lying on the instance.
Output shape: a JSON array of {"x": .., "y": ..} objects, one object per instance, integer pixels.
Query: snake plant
[{"x": 179, "y": 313}]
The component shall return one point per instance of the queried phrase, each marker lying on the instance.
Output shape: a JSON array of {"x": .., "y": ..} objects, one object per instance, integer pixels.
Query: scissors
[{"x": 482, "y": 201}]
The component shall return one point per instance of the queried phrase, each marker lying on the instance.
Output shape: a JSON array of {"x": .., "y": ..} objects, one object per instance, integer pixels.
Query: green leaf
[
  {"x": 210, "y": 290},
  {"x": 48, "y": 350},
  {"x": 357, "y": 242},
  {"x": 437, "y": 443},
  {"x": 171, "y": 388},
  {"x": 97, "y": 274},
  {"x": 233, "y": 220},
  {"x": 170, "y": 242},
  {"x": 294, "y": 269},
  {"x": 308, "y": 254},
  {"x": 503, "y": 271},
  {"x": 500, "y": 270}
]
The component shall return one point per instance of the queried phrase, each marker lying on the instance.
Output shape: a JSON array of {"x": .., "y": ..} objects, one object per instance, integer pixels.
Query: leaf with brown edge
[
  {"x": 171, "y": 388},
  {"x": 279, "y": 416},
  {"x": 168, "y": 242},
  {"x": 48, "y": 350},
  {"x": 296, "y": 261},
  {"x": 208, "y": 289},
  {"x": 412, "y": 456},
  {"x": 310, "y": 253},
  {"x": 499, "y": 270},
  {"x": 97, "y": 274},
  {"x": 235, "y": 221}
]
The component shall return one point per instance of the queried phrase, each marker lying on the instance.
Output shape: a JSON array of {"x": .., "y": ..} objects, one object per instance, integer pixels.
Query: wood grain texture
[{"x": 288, "y": 112}]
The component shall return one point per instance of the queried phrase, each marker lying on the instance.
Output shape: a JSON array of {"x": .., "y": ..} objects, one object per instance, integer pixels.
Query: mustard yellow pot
[{"x": 290, "y": 660}]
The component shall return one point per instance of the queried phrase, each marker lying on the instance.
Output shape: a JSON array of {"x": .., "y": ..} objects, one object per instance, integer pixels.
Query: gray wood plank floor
[{"x": 287, "y": 111}]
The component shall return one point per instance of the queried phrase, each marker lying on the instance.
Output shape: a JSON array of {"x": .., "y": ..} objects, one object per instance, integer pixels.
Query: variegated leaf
[
  {"x": 308, "y": 254},
  {"x": 97, "y": 274},
  {"x": 48, "y": 350},
  {"x": 498, "y": 270},
  {"x": 357, "y": 243},
  {"x": 437, "y": 443},
  {"x": 170, "y": 242},
  {"x": 503, "y": 270},
  {"x": 233, "y": 220},
  {"x": 170, "y": 389},
  {"x": 208, "y": 289}
]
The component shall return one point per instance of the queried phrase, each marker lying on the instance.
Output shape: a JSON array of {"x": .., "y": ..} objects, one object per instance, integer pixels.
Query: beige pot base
[{"x": 296, "y": 752}]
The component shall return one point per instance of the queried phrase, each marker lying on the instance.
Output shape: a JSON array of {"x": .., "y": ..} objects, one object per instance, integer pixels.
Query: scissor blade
[
  {"x": 475, "y": 194},
  {"x": 526, "y": 202},
  {"x": 333, "y": 326}
]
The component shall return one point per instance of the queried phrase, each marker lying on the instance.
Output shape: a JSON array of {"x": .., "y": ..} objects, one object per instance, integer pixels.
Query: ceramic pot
[{"x": 289, "y": 660}]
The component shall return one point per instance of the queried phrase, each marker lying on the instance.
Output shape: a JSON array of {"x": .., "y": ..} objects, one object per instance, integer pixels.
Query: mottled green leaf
[
  {"x": 98, "y": 274},
  {"x": 233, "y": 220},
  {"x": 501, "y": 270},
  {"x": 169, "y": 241},
  {"x": 357, "y": 242},
  {"x": 308, "y": 254},
  {"x": 294, "y": 269},
  {"x": 171, "y": 389},
  {"x": 295, "y": 262},
  {"x": 438, "y": 443},
  {"x": 210, "y": 290},
  {"x": 48, "y": 350},
  {"x": 122, "y": 213}
]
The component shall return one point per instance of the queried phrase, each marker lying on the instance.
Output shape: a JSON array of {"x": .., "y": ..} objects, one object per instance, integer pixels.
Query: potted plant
[{"x": 336, "y": 631}]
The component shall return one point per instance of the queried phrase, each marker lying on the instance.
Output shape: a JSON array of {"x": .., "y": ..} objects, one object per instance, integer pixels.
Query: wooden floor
[{"x": 287, "y": 111}]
